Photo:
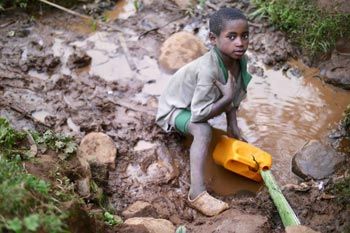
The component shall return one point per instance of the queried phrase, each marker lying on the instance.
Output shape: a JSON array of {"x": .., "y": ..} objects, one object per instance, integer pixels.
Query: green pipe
[{"x": 285, "y": 211}]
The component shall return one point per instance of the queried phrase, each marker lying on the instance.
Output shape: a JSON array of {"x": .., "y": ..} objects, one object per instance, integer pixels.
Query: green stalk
[{"x": 285, "y": 211}]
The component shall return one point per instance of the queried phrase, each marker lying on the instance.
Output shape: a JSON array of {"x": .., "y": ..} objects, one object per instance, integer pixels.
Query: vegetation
[
  {"x": 31, "y": 204},
  {"x": 315, "y": 30},
  {"x": 346, "y": 121}
]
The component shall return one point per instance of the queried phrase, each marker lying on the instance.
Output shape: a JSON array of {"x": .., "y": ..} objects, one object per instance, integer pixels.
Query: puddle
[
  {"x": 281, "y": 113},
  {"x": 143, "y": 145},
  {"x": 122, "y": 10}
]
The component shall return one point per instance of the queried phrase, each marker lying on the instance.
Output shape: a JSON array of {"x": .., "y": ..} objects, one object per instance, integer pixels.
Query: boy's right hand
[{"x": 227, "y": 89}]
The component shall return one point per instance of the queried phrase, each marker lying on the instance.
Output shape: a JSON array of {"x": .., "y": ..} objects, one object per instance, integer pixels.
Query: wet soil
[{"x": 76, "y": 80}]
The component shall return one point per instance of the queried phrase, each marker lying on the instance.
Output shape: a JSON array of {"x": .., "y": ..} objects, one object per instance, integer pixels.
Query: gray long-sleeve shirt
[{"x": 192, "y": 87}]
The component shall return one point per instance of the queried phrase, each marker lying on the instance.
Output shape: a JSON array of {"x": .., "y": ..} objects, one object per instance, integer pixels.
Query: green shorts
[{"x": 182, "y": 120}]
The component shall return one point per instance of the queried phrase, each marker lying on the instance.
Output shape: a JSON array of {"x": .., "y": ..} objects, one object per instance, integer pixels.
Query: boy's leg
[{"x": 202, "y": 134}]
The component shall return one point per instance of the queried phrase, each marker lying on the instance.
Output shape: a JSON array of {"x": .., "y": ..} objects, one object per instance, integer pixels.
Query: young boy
[{"x": 208, "y": 86}]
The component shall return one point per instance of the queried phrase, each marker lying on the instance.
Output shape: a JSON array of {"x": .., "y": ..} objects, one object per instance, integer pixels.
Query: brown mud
[{"x": 57, "y": 72}]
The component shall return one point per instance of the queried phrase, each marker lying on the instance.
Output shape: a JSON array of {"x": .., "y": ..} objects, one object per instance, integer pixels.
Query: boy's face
[{"x": 233, "y": 40}]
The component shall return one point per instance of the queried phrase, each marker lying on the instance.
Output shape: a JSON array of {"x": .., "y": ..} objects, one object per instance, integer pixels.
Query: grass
[
  {"x": 315, "y": 30},
  {"x": 31, "y": 204}
]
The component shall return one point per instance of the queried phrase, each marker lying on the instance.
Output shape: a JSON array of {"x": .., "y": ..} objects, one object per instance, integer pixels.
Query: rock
[
  {"x": 316, "y": 161},
  {"x": 231, "y": 220},
  {"x": 258, "y": 71},
  {"x": 78, "y": 59},
  {"x": 274, "y": 46},
  {"x": 99, "y": 150},
  {"x": 343, "y": 46},
  {"x": 151, "y": 224},
  {"x": 185, "y": 4},
  {"x": 139, "y": 209},
  {"x": 83, "y": 187},
  {"x": 180, "y": 49},
  {"x": 336, "y": 71},
  {"x": 299, "y": 229}
]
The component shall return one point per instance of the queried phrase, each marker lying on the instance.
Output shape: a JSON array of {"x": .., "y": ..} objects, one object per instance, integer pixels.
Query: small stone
[
  {"x": 152, "y": 225},
  {"x": 299, "y": 229},
  {"x": 139, "y": 209},
  {"x": 99, "y": 150}
]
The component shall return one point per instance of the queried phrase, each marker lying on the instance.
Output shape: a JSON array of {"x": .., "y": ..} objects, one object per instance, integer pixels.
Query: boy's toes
[{"x": 207, "y": 204}]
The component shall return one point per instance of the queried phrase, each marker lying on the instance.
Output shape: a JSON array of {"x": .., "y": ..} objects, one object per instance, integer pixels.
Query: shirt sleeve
[{"x": 205, "y": 94}]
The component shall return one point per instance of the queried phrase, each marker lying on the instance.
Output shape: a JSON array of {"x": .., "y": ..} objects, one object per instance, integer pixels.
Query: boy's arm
[
  {"x": 233, "y": 130},
  {"x": 221, "y": 105}
]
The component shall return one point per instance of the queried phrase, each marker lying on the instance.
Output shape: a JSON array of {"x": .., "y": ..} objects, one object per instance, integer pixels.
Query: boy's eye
[
  {"x": 245, "y": 36},
  {"x": 232, "y": 37}
]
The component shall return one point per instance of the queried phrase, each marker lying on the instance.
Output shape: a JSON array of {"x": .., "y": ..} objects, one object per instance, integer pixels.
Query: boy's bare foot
[{"x": 207, "y": 204}]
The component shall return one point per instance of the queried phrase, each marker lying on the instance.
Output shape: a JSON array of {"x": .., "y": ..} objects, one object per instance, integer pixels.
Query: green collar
[{"x": 243, "y": 63}]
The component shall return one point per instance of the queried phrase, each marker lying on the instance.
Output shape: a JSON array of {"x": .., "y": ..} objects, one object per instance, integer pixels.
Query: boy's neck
[{"x": 229, "y": 62}]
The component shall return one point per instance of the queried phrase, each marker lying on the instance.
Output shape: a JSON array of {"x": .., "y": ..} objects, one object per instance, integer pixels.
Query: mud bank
[{"x": 67, "y": 77}]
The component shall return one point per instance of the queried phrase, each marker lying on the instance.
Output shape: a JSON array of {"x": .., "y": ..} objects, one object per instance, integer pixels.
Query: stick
[
  {"x": 157, "y": 28},
  {"x": 286, "y": 212},
  {"x": 66, "y": 10},
  {"x": 24, "y": 113},
  {"x": 126, "y": 51}
]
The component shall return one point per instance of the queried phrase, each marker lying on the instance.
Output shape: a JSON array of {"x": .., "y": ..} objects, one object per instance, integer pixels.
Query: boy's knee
[{"x": 201, "y": 130}]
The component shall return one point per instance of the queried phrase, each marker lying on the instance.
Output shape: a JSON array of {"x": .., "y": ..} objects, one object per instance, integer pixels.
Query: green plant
[
  {"x": 315, "y": 30},
  {"x": 111, "y": 219},
  {"x": 64, "y": 145},
  {"x": 346, "y": 120}
]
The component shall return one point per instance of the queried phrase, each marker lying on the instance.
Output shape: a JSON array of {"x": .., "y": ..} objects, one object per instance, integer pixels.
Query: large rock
[
  {"x": 336, "y": 71},
  {"x": 99, "y": 150},
  {"x": 152, "y": 225},
  {"x": 180, "y": 49},
  {"x": 231, "y": 220},
  {"x": 316, "y": 161},
  {"x": 140, "y": 209}
]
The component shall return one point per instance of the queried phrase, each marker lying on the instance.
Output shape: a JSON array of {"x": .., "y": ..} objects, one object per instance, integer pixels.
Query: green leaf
[
  {"x": 14, "y": 225},
  {"x": 32, "y": 222}
]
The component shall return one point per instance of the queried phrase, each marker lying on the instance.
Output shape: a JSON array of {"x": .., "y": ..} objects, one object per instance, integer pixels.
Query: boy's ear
[{"x": 212, "y": 38}]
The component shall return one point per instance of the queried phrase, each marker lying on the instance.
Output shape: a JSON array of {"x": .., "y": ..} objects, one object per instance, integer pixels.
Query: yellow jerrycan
[{"x": 241, "y": 157}]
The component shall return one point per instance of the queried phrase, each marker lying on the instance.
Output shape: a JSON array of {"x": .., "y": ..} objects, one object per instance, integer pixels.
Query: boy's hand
[
  {"x": 234, "y": 132},
  {"x": 227, "y": 89}
]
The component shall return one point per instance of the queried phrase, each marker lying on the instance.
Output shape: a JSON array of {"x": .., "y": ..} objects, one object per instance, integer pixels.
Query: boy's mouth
[{"x": 238, "y": 52}]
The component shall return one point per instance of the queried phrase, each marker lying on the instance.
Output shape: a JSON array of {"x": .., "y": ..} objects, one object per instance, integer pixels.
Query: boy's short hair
[{"x": 218, "y": 19}]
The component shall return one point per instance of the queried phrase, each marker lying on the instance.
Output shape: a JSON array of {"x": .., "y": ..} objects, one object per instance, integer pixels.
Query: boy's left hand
[{"x": 235, "y": 133}]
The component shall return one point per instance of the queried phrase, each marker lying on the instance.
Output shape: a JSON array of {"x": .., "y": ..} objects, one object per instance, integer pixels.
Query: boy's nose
[{"x": 238, "y": 41}]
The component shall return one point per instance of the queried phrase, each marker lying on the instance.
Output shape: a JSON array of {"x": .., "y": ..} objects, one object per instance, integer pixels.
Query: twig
[
  {"x": 66, "y": 10},
  {"x": 143, "y": 34},
  {"x": 126, "y": 51},
  {"x": 24, "y": 113},
  {"x": 7, "y": 24},
  {"x": 211, "y": 5},
  {"x": 136, "y": 108}
]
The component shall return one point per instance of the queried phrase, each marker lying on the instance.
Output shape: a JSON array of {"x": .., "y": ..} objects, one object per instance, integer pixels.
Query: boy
[{"x": 208, "y": 86}]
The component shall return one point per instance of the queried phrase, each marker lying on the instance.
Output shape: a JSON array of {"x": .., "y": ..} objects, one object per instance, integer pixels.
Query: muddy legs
[{"x": 202, "y": 133}]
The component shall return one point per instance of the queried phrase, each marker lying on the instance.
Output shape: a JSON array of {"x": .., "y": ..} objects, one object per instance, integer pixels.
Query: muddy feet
[{"x": 207, "y": 204}]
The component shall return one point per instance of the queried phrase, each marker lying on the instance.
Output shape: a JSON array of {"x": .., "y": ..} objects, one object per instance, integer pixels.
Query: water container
[{"x": 241, "y": 157}]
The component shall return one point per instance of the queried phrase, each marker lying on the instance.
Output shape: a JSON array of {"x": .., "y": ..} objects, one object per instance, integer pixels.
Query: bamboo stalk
[{"x": 286, "y": 212}]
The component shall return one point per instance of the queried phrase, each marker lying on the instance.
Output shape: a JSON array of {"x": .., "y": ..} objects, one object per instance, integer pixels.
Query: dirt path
[{"x": 64, "y": 76}]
